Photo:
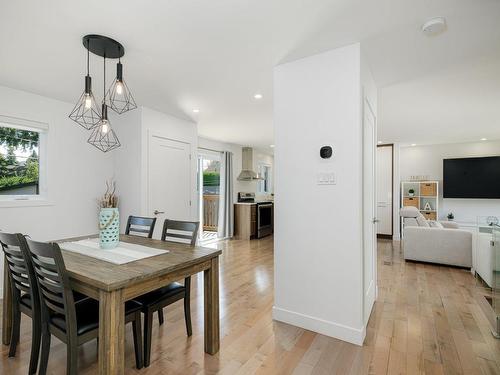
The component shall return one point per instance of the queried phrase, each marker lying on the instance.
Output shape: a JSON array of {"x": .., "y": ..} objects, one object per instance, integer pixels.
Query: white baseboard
[{"x": 327, "y": 328}]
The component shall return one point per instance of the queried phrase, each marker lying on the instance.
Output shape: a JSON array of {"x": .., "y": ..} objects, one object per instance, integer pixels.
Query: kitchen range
[{"x": 252, "y": 219}]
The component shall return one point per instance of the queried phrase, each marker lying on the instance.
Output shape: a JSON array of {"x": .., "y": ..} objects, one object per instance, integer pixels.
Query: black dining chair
[
  {"x": 173, "y": 231},
  {"x": 72, "y": 323},
  {"x": 140, "y": 226},
  {"x": 24, "y": 295}
]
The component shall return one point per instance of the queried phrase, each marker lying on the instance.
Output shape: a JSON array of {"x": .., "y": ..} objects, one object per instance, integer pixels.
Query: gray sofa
[{"x": 435, "y": 241}]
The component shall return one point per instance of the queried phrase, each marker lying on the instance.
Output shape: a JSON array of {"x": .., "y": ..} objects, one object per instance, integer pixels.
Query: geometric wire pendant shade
[
  {"x": 119, "y": 97},
  {"x": 103, "y": 136},
  {"x": 86, "y": 112}
]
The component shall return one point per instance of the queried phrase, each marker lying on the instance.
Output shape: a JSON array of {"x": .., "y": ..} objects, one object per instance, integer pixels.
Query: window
[
  {"x": 20, "y": 160},
  {"x": 265, "y": 186}
]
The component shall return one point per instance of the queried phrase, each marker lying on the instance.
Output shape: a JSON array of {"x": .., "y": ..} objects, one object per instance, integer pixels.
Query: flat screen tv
[{"x": 477, "y": 178}]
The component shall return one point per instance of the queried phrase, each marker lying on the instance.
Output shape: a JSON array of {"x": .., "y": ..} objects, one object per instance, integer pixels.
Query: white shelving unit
[{"x": 424, "y": 192}]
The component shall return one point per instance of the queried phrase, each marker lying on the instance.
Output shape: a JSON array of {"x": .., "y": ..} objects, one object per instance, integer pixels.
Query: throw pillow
[
  {"x": 422, "y": 221},
  {"x": 435, "y": 224}
]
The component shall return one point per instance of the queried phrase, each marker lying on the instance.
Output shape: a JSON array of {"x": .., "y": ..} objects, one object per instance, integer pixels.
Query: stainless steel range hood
[{"x": 247, "y": 172}]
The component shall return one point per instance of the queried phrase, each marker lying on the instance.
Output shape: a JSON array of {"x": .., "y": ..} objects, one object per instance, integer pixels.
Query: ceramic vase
[{"x": 109, "y": 228}]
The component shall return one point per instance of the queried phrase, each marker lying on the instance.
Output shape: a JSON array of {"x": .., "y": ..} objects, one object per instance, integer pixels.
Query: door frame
[
  {"x": 150, "y": 135},
  {"x": 390, "y": 236},
  {"x": 373, "y": 288}
]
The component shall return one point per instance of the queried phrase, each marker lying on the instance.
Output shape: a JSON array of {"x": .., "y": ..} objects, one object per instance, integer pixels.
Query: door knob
[
  {"x": 375, "y": 220},
  {"x": 156, "y": 212}
]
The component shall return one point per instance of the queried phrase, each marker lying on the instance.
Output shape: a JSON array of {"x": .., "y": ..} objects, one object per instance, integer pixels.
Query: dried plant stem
[{"x": 109, "y": 199}]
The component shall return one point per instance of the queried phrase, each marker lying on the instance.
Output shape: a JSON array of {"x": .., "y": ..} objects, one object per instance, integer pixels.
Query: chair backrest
[
  {"x": 140, "y": 226},
  {"x": 20, "y": 269},
  {"x": 54, "y": 287},
  {"x": 180, "y": 231}
]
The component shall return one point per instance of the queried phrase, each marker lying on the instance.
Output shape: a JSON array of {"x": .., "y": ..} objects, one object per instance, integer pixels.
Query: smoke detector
[{"x": 434, "y": 26}]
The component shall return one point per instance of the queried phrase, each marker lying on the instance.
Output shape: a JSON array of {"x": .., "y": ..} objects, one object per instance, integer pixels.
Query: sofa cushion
[
  {"x": 435, "y": 224},
  {"x": 422, "y": 221}
]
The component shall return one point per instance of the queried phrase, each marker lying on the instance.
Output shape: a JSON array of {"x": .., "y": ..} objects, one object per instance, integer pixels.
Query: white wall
[
  {"x": 428, "y": 160},
  {"x": 76, "y": 172},
  {"x": 318, "y": 236},
  {"x": 127, "y": 166}
]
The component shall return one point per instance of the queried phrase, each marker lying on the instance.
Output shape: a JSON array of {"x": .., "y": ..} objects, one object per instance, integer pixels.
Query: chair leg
[
  {"x": 36, "y": 337},
  {"x": 137, "y": 330},
  {"x": 71, "y": 357},
  {"x": 16, "y": 328},
  {"x": 44, "y": 357},
  {"x": 160, "y": 316},
  {"x": 148, "y": 330},
  {"x": 187, "y": 307}
]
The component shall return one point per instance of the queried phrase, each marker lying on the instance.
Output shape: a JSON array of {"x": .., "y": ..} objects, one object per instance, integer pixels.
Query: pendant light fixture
[
  {"x": 120, "y": 98},
  {"x": 86, "y": 111},
  {"x": 103, "y": 136}
]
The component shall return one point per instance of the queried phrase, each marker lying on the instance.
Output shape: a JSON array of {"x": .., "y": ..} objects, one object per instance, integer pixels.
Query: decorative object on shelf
[
  {"x": 109, "y": 218},
  {"x": 492, "y": 221},
  {"x": 86, "y": 111},
  {"x": 118, "y": 97},
  {"x": 417, "y": 193},
  {"x": 450, "y": 216}
]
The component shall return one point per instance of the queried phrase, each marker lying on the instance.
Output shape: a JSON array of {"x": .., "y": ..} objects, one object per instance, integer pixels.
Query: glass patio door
[{"x": 209, "y": 187}]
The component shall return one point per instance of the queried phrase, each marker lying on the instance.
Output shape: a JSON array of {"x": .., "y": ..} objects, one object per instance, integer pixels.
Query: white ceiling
[{"x": 215, "y": 55}]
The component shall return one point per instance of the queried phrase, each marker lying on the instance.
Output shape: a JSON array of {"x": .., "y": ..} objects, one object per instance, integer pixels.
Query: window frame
[
  {"x": 40, "y": 199},
  {"x": 262, "y": 183}
]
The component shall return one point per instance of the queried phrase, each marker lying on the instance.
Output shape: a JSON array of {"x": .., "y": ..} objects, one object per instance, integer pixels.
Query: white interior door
[
  {"x": 169, "y": 180},
  {"x": 384, "y": 190},
  {"x": 369, "y": 218}
]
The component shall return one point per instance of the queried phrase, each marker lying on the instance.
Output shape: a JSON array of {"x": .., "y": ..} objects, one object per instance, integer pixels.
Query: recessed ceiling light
[
  {"x": 380, "y": 142},
  {"x": 196, "y": 110},
  {"x": 413, "y": 144},
  {"x": 258, "y": 96},
  {"x": 272, "y": 146},
  {"x": 434, "y": 26},
  {"x": 484, "y": 139}
]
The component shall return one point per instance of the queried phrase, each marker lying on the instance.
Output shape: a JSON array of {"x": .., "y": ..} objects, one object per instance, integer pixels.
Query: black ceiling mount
[{"x": 103, "y": 46}]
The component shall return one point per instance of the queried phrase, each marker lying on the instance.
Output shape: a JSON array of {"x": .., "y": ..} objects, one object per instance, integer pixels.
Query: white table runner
[{"x": 124, "y": 253}]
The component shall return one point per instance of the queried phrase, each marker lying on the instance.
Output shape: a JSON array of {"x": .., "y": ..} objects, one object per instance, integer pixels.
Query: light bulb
[
  {"x": 105, "y": 127},
  {"x": 88, "y": 101},
  {"x": 119, "y": 88}
]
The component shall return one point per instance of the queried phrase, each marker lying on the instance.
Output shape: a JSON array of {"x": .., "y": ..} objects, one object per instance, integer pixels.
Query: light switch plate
[{"x": 326, "y": 178}]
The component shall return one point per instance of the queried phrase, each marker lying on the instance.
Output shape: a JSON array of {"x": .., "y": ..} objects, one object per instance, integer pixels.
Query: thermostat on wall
[{"x": 326, "y": 152}]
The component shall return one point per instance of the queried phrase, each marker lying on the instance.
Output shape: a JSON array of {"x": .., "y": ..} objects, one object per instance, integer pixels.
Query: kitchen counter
[
  {"x": 250, "y": 203},
  {"x": 245, "y": 219}
]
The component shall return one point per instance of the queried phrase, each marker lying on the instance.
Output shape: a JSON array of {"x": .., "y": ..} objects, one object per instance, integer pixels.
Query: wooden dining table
[{"x": 112, "y": 284}]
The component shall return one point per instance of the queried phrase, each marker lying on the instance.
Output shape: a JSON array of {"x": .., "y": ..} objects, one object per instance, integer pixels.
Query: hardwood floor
[{"x": 425, "y": 321}]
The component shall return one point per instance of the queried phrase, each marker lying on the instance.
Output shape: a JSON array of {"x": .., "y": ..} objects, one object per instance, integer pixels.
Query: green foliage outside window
[
  {"x": 211, "y": 178},
  {"x": 17, "y": 169}
]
